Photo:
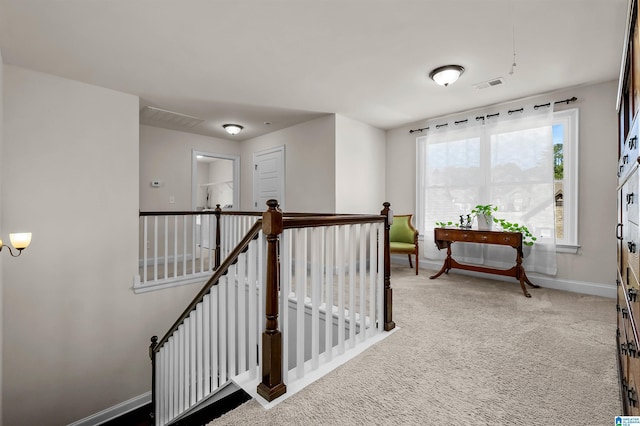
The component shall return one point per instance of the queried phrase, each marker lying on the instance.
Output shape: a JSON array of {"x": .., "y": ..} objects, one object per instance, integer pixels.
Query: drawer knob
[
  {"x": 632, "y": 246},
  {"x": 630, "y": 198},
  {"x": 633, "y": 294}
]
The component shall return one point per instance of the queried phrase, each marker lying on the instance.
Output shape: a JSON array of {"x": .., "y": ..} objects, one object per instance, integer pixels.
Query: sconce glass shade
[
  {"x": 20, "y": 240},
  {"x": 446, "y": 75},
  {"x": 233, "y": 129}
]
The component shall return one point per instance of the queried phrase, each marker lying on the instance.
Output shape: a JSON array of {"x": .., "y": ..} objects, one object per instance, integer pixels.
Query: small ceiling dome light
[
  {"x": 233, "y": 129},
  {"x": 446, "y": 75}
]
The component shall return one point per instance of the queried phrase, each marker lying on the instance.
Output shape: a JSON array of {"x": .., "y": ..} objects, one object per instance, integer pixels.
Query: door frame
[
  {"x": 279, "y": 149},
  {"x": 194, "y": 175}
]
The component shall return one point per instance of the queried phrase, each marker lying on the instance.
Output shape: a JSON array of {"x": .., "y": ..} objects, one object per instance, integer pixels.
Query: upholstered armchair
[{"x": 403, "y": 237}]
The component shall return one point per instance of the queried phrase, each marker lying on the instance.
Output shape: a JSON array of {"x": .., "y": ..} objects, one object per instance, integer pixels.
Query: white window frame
[{"x": 569, "y": 119}]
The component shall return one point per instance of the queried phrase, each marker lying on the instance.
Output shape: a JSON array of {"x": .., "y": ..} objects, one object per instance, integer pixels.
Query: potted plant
[{"x": 484, "y": 213}]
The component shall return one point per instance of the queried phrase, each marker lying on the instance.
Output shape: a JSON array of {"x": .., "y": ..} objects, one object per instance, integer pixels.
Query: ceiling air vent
[
  {"x": 493, "y": 82},
  {"x": 157, "y": 115}
]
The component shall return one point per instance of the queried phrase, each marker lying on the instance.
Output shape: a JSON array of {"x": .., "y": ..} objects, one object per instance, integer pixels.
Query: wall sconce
[
  {"x": 446, "y": 75},
  {"x": 19, "y": 241},
  {"x": 232, "y": 129}
]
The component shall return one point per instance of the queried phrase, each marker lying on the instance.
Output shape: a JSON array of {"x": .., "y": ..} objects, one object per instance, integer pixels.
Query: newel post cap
[{"x": 272, "y": 219}]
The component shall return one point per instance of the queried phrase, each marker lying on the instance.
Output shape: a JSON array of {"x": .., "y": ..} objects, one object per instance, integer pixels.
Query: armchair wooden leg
[
  {"x": 410, "y": 264},
  {"x": 417, "y": 264}
]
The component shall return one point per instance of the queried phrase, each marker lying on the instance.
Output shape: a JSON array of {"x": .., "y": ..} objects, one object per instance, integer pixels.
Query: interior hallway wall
[
  {"x": 166, "y": 155},
  {"x": 309, "y": 166},
  {"x": 360, "y": 167},
  {"x": 76, "y": 337}
]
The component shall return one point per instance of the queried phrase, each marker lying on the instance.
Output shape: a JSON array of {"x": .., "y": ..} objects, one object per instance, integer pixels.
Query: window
[
  {"x": 526, "y": 164},
  {"x": 565, "y": 150}
]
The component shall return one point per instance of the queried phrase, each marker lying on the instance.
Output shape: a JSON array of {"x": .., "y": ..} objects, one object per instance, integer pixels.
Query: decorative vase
[{"x": 484, "y": 222}]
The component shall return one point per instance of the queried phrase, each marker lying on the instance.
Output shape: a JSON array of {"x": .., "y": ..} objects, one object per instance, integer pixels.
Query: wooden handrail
[
  {"x": 313, "y": 221},
  {"x": 222, "y": 270},
  {"x": 197, "y": 212}
]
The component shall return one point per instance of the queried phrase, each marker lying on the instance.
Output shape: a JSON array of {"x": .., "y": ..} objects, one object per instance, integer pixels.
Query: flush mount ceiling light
[
  {"x": 446, "y": 75},
  {"x": 233, "y": 129}
]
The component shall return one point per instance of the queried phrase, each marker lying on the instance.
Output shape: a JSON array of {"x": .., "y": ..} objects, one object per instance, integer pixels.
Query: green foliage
[
  {"x": 484, "y": 209},
  {"x": 527, "y": 237},
  {"x": 558, "y": 162},
  {"x": 487, "y": 210},
  {"x": 444, "y": 224}
]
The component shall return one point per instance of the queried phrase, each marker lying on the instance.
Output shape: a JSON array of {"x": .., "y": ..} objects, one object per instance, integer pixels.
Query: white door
[{"x": 268, "y": 177}]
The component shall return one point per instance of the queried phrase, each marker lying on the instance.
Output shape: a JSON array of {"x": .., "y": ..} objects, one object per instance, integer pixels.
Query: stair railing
[
  {"x": 293, "y": 262},
  {"x": 182, "y": 247}
]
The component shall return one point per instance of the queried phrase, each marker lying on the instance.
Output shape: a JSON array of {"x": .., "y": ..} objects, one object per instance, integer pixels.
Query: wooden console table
[{"x": 444, "y": 237}]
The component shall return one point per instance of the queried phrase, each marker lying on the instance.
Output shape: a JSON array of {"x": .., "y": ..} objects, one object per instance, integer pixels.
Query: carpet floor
[{"x": 469, "y": 351}]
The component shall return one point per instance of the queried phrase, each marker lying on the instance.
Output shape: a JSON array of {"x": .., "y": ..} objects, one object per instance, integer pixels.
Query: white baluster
[
  {"x": 206, "y": 343},
  {"x": 328, "y": 319},
  {"x": 222, "y": 309},
  {"x": 166, "y": 247},
  {"x": 342, "y": 260},
  {"x": 373, "y": 258},
  {"x": 213, "y": 316},
  {"x": 242, "y": 314},
  {"x": 199, "y": 377},
  {"x": 316, "y": 261},
  {"x": 362, "y": 311},
  {"x": 301, "y": 286},
  {"x": 231, "y": 327},
  {"x": 252, "y": 311},
  {"x": 192, "y": 360},
  {"x": 181, "y": 369},
  {"x": 184, "y": 245},
  {"x": 155, "y": 248},
  {"x": 145, "y": 255},
  {"x": 352, "y": 285},
  {"x": 285, "y": 289},
  {"x": 175, "y": 246}
]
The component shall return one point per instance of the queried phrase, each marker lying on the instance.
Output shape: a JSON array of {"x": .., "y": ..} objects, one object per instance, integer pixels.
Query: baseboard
[
  {"x": 582, "y": 287},
  {"x": 115, "y": 411}
]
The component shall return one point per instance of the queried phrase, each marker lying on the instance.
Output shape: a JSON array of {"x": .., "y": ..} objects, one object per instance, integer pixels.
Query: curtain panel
[{"x": 503, "y": 159}]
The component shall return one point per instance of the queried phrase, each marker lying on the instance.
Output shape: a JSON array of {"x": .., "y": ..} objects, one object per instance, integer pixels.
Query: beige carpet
[{"x": 469, "y": 352}]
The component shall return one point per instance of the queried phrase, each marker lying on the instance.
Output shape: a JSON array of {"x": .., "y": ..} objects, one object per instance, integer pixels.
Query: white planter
[{"x": 484, "y": 223}]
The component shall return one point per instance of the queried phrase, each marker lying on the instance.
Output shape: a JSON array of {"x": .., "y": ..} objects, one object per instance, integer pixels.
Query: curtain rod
[{"x": 511, "y": 111}]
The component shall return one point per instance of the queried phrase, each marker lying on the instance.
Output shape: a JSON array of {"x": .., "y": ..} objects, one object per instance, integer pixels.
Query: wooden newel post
[
  {"x": 217, "y": 211},
  {"x": 272, "y": 386},
  {"x": 388, "y": 292}
]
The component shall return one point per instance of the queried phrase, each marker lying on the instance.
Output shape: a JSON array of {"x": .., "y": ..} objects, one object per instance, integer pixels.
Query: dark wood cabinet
[{"x": 628, "y": 230}]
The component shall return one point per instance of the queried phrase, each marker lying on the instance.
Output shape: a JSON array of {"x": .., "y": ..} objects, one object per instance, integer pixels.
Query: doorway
[
  {"x": 215, "y": 180},
  {"x": 268, "y": 177}
]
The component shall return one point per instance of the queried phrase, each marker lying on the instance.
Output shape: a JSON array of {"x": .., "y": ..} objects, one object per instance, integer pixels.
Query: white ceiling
[{"x": 288, "y": 61}]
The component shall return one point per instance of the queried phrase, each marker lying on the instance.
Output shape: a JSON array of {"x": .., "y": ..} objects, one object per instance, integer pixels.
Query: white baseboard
[
  {"x": 582, "y": 287},
  {"x": 115, "y": 411}
]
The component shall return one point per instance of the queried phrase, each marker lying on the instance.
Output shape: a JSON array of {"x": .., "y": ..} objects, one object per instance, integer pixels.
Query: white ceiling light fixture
[
  {"x": 233, "y": 129},
  {"x": 446, "y": 75}
]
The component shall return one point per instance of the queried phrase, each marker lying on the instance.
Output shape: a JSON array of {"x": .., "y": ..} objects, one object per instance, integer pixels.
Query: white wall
[
  {"x": 309, "y": 165},
  {"x": 167, "y": 156},
  {"x": 360, "y": 167},
  {"x": 76, "y": 337},
  {"x": 1, "y": 234},
  {"x": 595, "y": 261}
]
